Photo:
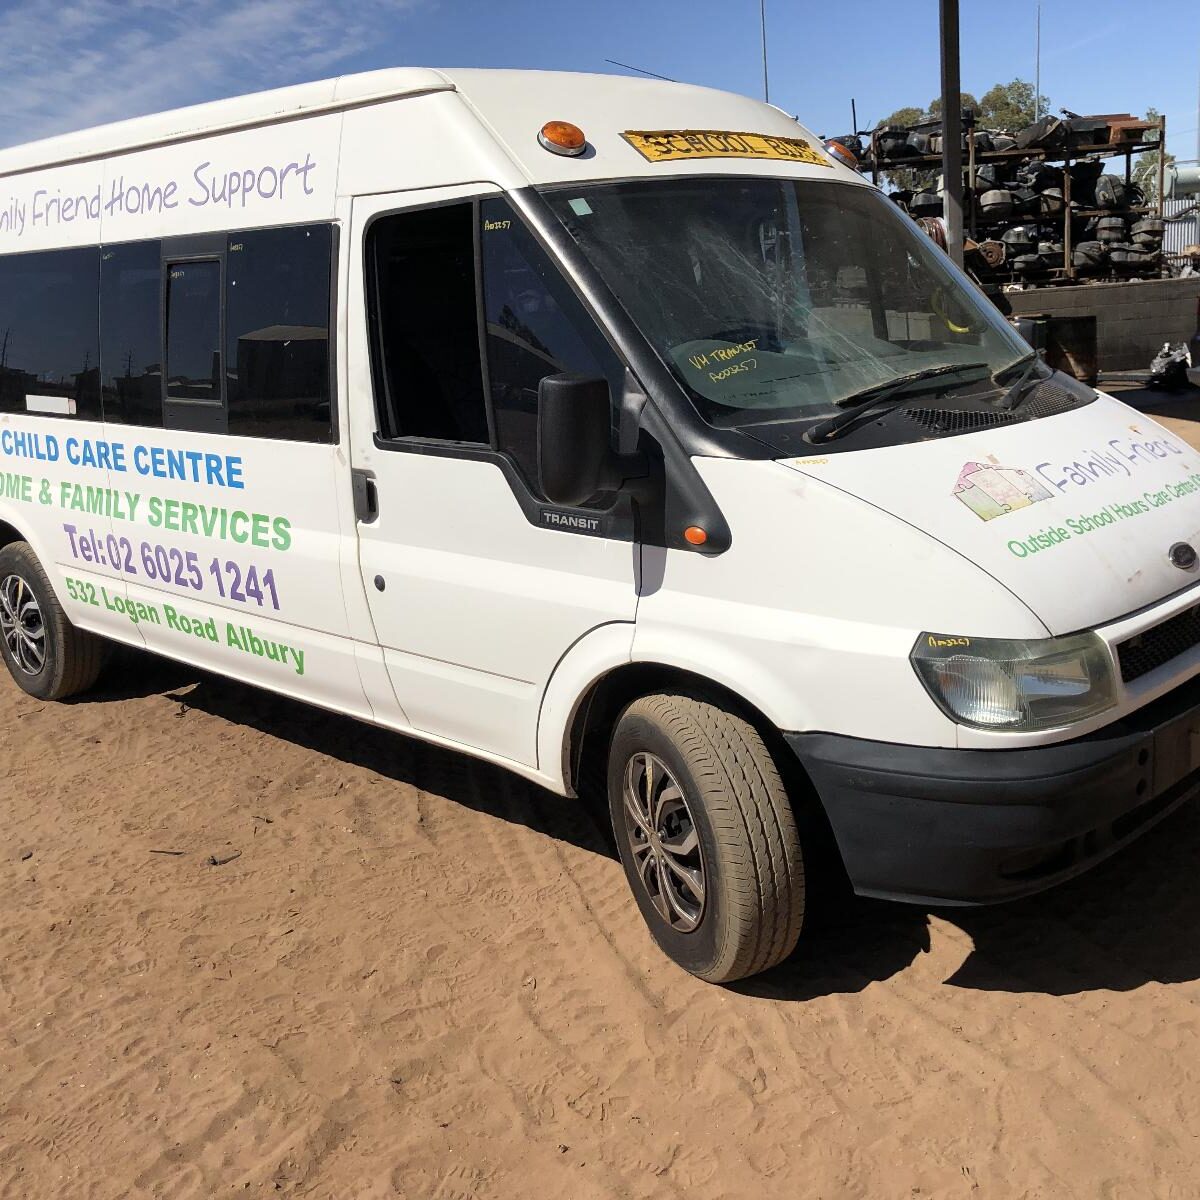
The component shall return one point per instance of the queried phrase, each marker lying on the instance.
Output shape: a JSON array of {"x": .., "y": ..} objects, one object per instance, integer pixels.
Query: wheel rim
[
  {"x": 664, "y": 842},
  {"x": 21, "y": 625}
]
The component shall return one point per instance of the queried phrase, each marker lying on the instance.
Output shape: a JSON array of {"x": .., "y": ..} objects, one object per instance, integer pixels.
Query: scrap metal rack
[{"x": 1127, "y": 138}]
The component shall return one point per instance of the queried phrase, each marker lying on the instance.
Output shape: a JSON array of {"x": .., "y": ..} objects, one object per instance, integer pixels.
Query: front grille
[
  {"x": 1141, "y": 654},
  {"x": 953, "y": 420}
]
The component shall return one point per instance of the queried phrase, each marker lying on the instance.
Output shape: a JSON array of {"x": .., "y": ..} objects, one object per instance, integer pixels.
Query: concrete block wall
[{"x": 1133, "y": 319}]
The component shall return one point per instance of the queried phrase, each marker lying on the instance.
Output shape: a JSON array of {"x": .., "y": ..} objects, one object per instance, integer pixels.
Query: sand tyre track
[
  {"x": 46, "y": 655},
  {"x": 697, "y": 802}
]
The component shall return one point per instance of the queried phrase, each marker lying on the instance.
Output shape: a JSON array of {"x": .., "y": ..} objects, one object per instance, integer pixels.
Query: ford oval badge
[{"x": 1183, "y": 555}]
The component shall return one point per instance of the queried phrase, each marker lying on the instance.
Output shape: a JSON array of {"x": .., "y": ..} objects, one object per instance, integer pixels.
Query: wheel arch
[
  {"x": 13, "y": 531},
  {"x": 587, "y": 735},
  {"x": 21, "y": 531},
  {"x": 587, "y": 738},
  {"x": 608, "y": 695},
  {"x": 9, "y": 534}
]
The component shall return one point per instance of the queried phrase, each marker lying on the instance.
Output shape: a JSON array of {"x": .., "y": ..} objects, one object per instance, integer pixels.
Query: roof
[
  {"x": 219, "y": 116},
  {"x": 509, "y": 103},
  {"x": 371, "y": 134}
]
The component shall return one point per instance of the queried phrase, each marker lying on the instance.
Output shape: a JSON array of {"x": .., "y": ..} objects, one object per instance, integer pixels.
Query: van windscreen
[{"x": 773, "y": 299}]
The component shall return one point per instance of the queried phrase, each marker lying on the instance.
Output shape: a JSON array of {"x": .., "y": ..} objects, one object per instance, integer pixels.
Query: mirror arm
[{"x": 629, "y": 415}]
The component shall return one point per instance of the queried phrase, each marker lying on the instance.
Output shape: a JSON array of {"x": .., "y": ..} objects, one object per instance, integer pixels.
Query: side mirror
[{"x": 574, "y": 439}]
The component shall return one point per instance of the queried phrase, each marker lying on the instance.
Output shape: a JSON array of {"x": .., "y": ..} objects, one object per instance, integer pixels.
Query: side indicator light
[
  {"x": 561, "y": 137},
  {"x": 695, "y": 535}
]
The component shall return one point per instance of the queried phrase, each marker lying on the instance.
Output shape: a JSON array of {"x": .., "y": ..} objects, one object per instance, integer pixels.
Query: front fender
[
  {"x": 591, "y": 657},
  {"x": 802, "y": 675}
]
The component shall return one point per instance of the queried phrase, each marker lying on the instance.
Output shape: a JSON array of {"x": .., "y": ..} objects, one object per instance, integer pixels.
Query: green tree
[
  {"x": 967, "y": 101},
  {"x": 1145, "y": 170},
  {"x": 1009, "y": 106},
  {"x": 903, "y": 116},
  {"x": 1006, "y": 106}
]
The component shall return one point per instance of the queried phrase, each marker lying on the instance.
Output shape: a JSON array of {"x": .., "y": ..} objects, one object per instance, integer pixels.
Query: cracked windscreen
[{"x": 773, "y": 299}]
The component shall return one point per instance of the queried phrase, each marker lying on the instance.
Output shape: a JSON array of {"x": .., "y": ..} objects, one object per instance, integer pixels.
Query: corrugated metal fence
[{"x": 1183, "y": 225}]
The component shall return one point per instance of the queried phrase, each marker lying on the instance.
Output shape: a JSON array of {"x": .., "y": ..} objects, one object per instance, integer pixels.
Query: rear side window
[
  {"x": 194, "y": 331},
  {"x": 131, "y": 332},
  {"x": 49, "y": 345},
  {"x": 277, "y": 333}
]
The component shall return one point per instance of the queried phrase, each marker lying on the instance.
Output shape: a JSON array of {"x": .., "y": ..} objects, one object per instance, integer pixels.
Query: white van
[{"x": 587, "y": 423}]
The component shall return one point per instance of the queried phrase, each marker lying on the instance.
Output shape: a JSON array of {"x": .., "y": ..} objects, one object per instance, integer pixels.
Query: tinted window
[
  {"x": 131, "y": 332},
  {"x": 535, "y": 327},
  {"x": 193, "y": 331},
  {"x": 426, "y": 325},
  {"x": 277, "y": 333},
  {"x": 49, "y": 356}
]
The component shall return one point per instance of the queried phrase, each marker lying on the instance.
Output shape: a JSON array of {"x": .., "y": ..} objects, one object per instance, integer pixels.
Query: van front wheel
[
  {"x": 46, "y": 655},
  {"x": 707, "y": 836}
]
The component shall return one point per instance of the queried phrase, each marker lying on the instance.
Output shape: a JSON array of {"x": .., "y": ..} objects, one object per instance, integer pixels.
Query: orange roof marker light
[
  {"x": 695, "y": 535},
  {"x": 842, "y": 153},
  {"x": 561, "y": 137}
]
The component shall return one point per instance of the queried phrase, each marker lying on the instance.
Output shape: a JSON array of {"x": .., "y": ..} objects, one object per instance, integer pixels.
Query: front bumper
[{"x": 945, "y": 826}]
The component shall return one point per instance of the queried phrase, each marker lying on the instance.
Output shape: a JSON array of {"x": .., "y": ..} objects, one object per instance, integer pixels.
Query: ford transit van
[{"x": 598, "y": 427}]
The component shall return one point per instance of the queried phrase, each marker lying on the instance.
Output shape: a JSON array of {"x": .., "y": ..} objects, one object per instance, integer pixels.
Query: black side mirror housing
[{"x": 574, "y": 438}]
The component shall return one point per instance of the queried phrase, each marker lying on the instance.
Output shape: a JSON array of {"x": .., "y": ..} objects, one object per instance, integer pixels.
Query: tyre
[
  {"x": 706, "y": 835},
  {"x": 46, "y": 655}
]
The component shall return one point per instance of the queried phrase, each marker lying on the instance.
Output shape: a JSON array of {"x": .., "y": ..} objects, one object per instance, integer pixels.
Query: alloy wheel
[
  {"x": 21, "y": 625},
  {"x": 664, "y": 842}
]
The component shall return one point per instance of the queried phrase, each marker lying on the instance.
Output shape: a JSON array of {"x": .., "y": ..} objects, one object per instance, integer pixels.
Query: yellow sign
[{"x": 672, "y": 145}]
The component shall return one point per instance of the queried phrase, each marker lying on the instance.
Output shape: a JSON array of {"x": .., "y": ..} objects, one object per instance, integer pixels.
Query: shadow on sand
[{"x": 1131, "y": 921}]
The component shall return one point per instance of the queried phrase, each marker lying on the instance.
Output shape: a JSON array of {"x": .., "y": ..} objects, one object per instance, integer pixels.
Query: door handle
[{"x": 366, "y": 497}]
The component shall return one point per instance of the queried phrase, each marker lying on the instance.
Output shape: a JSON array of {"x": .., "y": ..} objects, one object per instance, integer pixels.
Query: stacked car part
[{"x": 1053, "y": 202}]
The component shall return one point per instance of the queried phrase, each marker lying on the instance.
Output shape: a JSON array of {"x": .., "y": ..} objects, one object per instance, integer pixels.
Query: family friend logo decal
[{"x": 990, "y": 490}]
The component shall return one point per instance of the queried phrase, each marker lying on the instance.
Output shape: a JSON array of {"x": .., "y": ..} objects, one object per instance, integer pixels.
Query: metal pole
[
  {"x": 971, "y": 178},
  {"x": 952, "y": 171},
  {"x": 1037, "y": 68},
  {"x": 762, "y": 18},
  {"x": 1162, "y": 163},
  {"x": 1068, "y": 262}
]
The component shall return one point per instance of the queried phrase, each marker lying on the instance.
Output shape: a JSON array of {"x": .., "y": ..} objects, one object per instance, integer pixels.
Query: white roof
[
  {"x": 218, "y": 116},
  {"x": 512, "y": 104}
]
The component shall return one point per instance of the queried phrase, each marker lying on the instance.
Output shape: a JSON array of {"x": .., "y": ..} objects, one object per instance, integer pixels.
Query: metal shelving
[{"x": 1067, "y": 156}]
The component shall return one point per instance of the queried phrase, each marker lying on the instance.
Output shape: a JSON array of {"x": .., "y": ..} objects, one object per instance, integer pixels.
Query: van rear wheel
[
  {"x": 45, "y": 654},
  {"x": 707, "y": 836}
]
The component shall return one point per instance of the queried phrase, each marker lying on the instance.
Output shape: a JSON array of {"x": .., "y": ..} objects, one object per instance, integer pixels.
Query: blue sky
[{"x": 83, "y": 62}]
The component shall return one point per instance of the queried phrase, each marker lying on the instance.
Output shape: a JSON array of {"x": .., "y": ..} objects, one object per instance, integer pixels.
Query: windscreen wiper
[
  {"x": 868, "y": 398},
  {"x": 1015, "y": 394}
]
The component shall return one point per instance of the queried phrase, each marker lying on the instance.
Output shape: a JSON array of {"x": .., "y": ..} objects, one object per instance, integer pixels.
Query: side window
[
  {"x": 194, "y": 331},
  {"x": 193, "y": 366},
  {"x": 131, "y": 333},
  {"x": 425, "y": 326},
  {"x": 535, "y": 327},
  {"x": 277, "y": 333},
  {"x": 49, "y": 352}
]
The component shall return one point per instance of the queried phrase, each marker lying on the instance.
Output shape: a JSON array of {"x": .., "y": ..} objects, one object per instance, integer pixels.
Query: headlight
[{"x": 995, "y": 684}]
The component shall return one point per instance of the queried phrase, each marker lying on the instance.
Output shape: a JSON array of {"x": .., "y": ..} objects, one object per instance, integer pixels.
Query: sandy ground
[{"x": 423, "y": 978}]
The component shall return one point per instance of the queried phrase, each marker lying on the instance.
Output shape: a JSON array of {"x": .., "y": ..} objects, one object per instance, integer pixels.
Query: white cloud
[{"x": 85, "y": 62}]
